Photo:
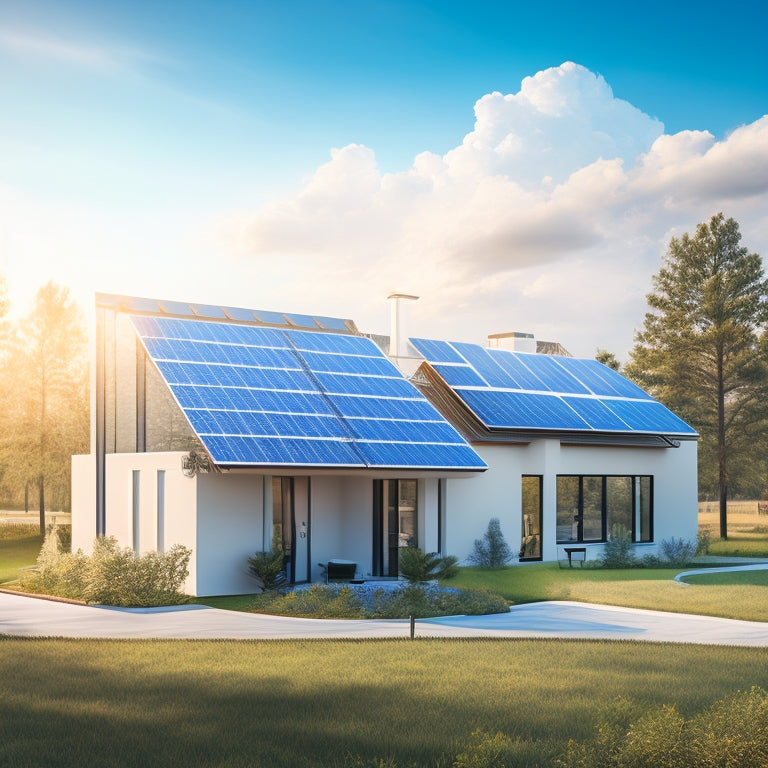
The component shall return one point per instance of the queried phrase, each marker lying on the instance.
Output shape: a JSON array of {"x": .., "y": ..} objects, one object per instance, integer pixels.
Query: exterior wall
[
  {"x": 471, "y": 502},
  {"x": 83, "y": 502},
  {"x": 230, "y": 528},
  {"x": 342, "y": 522},
  {"x": 162, "y": 520}
]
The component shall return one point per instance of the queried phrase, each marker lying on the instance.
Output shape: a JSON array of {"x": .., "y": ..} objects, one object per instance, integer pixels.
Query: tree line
[{"x": 44, "y": 400}]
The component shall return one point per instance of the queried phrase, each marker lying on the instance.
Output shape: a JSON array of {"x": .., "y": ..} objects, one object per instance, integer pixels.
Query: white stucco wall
[
  {"x": 471, "y": 503},
  {"x": 83, "y": 502},
  {"x": 230, "y": 528}
]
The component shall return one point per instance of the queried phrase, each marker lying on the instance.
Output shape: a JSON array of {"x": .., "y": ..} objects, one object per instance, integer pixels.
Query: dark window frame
[
  {"x": 604, "y": 509},
  {"x": 540, "y": 557}
]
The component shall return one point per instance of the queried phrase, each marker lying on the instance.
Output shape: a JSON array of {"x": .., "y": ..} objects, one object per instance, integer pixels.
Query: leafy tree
[
  {"x": 699, "y": 350},
  {"x": 608, "y": 359},
  {"x": 48, "y": 410}
]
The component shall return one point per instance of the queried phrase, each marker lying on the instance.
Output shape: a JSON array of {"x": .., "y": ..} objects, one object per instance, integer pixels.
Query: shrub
[
  {"x": 704, "y": 541},
  {"x": 678, "y": 552},
  {"x": 732, "y": 733},
  {"x": 485, "y": 751},
  {"x": 618, "y": 549},
  {"x": 267, "y": 568},
  {"x": 18, "y": 530},
  {"x": 492, "y": 551},
  {"x": 343, "y": 602},
  {"x": 111, "y": 575},
  {"x": 418, "y": 567}
]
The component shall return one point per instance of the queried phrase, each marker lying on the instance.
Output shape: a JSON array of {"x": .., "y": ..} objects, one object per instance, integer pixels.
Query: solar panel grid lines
[
  {"x": 258, "y": 395},
  {"x": 548, "y": 392}
]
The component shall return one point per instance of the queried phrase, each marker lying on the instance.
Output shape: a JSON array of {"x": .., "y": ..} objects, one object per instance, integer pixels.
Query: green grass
[
  {"x": 16, "y": 554},
  {"x": 741, "y": 544},
  {"x": 651, "y": 588},
  {"x": 736, "y": 578},
  {"x": 333, "y": 703}
]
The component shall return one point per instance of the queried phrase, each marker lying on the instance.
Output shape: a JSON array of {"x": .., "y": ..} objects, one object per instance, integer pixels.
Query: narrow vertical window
[
  {"x": 161, "y": 511},
  {"x": 136, "y": 511},
  {"x": 530, "y": 546}
]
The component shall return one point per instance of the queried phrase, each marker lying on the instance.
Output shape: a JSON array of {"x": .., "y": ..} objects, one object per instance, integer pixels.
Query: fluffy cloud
[{"x": 550, "y": 217}]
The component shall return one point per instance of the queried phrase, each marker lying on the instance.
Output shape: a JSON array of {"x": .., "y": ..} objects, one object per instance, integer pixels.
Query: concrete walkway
[{"x": 31, "y": 617}]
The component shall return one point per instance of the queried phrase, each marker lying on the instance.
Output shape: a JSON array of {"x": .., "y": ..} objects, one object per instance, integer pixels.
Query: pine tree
[{"x": 700, "y": 351}]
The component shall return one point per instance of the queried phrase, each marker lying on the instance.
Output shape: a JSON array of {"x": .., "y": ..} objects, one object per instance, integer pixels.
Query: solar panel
[
  {"x": 266, "y": 396},
  {"x": 527, "y": 391}
]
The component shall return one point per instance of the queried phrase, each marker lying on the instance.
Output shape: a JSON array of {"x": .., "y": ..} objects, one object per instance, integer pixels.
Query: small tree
[
  {"x": 267, "y": 568},
  {"x": 418, "y": 567},
  {"x": 492, "y": 551}
]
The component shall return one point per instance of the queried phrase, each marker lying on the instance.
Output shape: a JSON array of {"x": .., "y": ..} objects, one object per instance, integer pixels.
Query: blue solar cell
[
  {"x": 208, "y": 310},
  {"x": 649, "y": 416},
  {"x": 522, "y": 410},
  {"x": 335, "y": 383},
  {"x": 603, "y": 380},
  {"x": 549, "y": 370},
  {"x": 523, "y": 376},
  {"x": 437, "y": 351},
  {"x": 361, "y": 366},
  {"x": 270, "y": 318},
  {"x": 485, "y": 365},
  {"x": 409, "y": 455},
  {"x": 459, "y": 375},
  {"x": 302, "y": 321},
  {"x": 238, "y": 313},
  {"x": 332, "y": 323},
  {"x": 247, "y": 393},
  {"x": 175, "y": 307},
  {"x": 596, "y": 414}
]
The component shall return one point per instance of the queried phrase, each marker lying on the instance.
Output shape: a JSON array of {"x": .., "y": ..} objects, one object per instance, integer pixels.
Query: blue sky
[{"x": 177, "y": 148}]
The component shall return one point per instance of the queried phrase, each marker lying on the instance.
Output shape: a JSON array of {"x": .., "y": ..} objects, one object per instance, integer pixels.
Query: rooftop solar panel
[
  {"x": 525, "y": 391},
  {"x": 266, "y": 396}
]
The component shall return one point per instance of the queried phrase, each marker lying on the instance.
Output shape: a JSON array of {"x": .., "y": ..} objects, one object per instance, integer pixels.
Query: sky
[{"x": 519, "y": 167}]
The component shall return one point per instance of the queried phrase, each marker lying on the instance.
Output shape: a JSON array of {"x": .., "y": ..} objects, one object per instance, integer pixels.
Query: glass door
[
  {"x": 395, "y": 523},
  {"x": 530, "y": 545}
]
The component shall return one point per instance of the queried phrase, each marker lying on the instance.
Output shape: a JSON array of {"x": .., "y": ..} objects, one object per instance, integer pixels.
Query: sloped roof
[
  {"x": 505, "y": 391},
  {"x": 280, "y": 396}
]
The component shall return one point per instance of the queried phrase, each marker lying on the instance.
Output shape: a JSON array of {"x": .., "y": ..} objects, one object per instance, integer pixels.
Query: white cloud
[{"x": 550, "y": 216}]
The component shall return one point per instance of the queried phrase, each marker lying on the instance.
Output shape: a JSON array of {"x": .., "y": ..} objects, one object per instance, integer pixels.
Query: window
[
  {"x": 589, "y": 506},
  {"x": 395, "y": 523},
  {"x": 530, "y": 544}
]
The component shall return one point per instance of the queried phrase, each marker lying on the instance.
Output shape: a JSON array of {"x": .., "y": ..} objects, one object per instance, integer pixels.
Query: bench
[{"x": 578, "y": 554}]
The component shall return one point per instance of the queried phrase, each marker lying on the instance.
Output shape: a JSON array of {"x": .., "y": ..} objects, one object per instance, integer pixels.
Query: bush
[
  {"x": 732, "y": 733},
  {"x": 267, "y": 568},
  {"x": 678, "y": 552},
  {"x": 704, "y": 541},
  {"x": 111, "y": 575},
  {"x": 618, "y": 549},
  {"x": 10, "y": 531},
  {"x": 418, "y": 567},
  {"x": 330, "y": 601},
  {"x": 492, "y": 551},
  {"x": 485, "y": 751}
]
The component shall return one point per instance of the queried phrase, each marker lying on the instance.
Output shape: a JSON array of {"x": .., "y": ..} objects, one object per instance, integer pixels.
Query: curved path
[{"x": 31, "y": 617}]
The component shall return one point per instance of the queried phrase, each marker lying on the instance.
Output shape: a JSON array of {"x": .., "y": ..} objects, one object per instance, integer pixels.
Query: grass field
[
  {"x": 334, "y": 703},
  {"x": 747, "y": 531},
  {"x": 17, "y": 553}
]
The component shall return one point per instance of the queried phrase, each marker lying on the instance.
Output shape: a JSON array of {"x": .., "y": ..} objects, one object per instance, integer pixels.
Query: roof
[
  {"x": 503, "y": 392},
  {"x": 259, "y": 392}
]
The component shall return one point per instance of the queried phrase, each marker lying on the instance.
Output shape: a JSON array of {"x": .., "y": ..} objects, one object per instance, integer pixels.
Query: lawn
[
  {"x": 17, "y": 553},
  {"x": 334, "y": 703}
]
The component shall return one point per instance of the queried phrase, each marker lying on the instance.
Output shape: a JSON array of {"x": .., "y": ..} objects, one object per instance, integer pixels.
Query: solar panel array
[
  {"x": 270, "y": 396},
  {"x": 517, "y": 390}
]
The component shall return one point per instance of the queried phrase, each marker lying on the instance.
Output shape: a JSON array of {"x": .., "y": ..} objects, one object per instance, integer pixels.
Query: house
[{"x": 225, "y": 429}]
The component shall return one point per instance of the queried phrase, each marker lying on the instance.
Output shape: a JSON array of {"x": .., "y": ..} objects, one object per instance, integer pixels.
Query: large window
[
  {"x": 530, "y": 544},
  {"x": 590, "y": 506}
]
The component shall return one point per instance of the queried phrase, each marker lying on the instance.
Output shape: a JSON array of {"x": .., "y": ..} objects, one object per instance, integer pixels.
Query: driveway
[{"x": 32, "y": 617}]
